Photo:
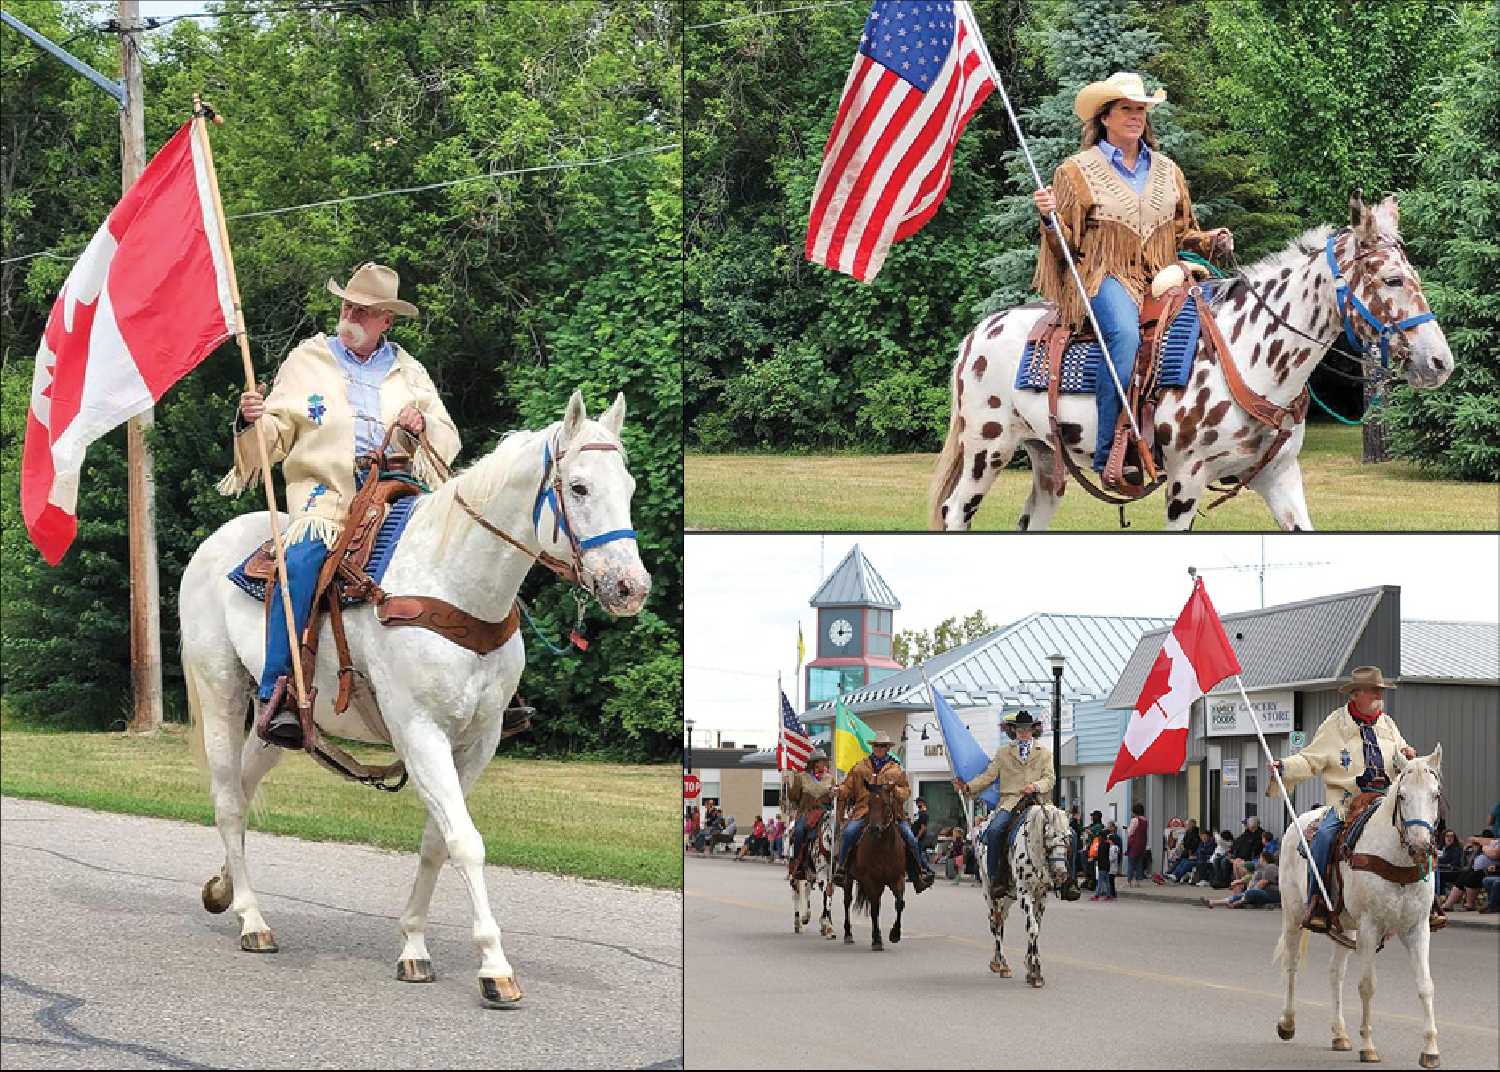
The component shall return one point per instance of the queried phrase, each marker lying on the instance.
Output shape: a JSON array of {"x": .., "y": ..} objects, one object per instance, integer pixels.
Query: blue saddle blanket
[
  {"x": 1080, "y": 363},
  {"x": 380, "y": 555}
]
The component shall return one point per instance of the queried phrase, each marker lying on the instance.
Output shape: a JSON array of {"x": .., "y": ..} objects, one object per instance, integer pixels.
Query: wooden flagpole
[{"x": 200, "y": 131}]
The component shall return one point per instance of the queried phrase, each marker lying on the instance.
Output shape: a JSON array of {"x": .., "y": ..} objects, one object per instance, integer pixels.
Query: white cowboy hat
[
  {"x": 1122, "y": 85},
  {"x": 374, "y": 285}
]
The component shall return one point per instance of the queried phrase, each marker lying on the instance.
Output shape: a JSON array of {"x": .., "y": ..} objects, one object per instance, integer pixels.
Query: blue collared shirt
[
  {"x": 1135, "y": 179},
  {"x": 364, "y": 379}
]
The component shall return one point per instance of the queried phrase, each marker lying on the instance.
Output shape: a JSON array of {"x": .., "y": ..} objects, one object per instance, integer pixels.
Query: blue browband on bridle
[
  {"x": 1347, "y": 297},
  {"x": 549, "y": 495}
]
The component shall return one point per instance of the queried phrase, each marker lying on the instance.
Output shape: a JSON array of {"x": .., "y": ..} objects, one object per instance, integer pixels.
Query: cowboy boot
[
  {"x": 1317, "y": 918},
  {"x": 279, "y": 723},
  {"x": 1436, "y": 920}
]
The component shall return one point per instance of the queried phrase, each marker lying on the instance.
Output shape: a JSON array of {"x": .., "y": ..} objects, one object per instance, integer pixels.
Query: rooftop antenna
[{"x": 1259, "y": 569}]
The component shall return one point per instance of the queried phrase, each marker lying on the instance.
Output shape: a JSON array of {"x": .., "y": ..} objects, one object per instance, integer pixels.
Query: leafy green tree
[{"x": 912, "y": 647}]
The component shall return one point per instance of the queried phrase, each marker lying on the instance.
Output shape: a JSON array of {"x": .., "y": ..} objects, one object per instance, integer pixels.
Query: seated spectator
[
  {"x": 751, "y": 847},
  {"x": 1218, "y": 872},
  {"x": 1470, "y": 880},
  {"x": 1491, "y": 885},
  {"x": 1260, "y": 888},
  {"x": 1450, "y": 861}
]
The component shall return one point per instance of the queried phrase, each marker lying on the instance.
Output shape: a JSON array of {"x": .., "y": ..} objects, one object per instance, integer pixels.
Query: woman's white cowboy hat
[
  {"x": 374, "y": 285},
  {"x": 1122, "y": 85}
]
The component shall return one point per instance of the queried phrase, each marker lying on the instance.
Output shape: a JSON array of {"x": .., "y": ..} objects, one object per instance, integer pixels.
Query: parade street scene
[{"x": 1080, "y": 812}]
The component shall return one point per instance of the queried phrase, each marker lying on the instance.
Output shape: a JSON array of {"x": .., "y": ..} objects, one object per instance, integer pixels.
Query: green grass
[
  {"x": 588, "y": 819},
  {"x": 831, "y": 492}
]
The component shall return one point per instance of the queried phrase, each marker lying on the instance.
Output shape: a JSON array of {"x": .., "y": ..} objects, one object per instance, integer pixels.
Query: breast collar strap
[{"x": 1347, "y": 298}]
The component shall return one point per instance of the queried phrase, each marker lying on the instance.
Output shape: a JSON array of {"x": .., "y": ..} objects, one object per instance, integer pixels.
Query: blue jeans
[
  {"x": 993, "y": 848},
  {"x": 852, "y": 832},
  {"x": 303, "y": 561},
  {"x": 1322, "y": 845},
  {"x": 1256, "y": 898},
  {"x": 1120, "y": 320}
]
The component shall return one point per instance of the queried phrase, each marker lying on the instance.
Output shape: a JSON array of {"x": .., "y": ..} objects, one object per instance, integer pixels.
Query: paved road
[
  {"x": 1124, "y": 982},
  {"x": 109, "y": 960}
]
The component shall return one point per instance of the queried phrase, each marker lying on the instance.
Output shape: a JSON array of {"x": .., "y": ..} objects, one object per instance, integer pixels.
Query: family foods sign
[{"x": 1228, "y": 717}]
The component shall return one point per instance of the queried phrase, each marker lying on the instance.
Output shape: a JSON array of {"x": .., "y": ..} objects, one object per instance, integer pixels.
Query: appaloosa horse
[
  {"x": 877, "y": 863},
  {"x": 813, "y": 874},
  {"x": 443, "y": 704},
  {"x": 1038, "y": 863},
  {"x": 1278, "y": 322},
  {"x": 1399, "y": 833}
]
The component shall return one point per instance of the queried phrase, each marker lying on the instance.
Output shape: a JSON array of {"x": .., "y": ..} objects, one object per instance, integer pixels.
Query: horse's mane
[
  {"x": 480, "y": 482},
  {"x": 1309, "y": 243}
]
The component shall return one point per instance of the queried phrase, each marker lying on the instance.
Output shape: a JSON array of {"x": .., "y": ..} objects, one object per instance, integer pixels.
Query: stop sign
[{"x": 691, "y": 786}]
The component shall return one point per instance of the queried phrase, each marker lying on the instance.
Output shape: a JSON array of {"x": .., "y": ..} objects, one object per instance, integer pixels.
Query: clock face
[{"x": 841, "y": 632}]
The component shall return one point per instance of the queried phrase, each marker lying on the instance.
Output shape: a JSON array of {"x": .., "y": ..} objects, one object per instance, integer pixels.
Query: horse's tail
[
  {"x": 196, "y": 747},
  {"x": 1284, "y": 956},
  {"x": 861, "y": 899},
  {"x": 950, "y": 461}
]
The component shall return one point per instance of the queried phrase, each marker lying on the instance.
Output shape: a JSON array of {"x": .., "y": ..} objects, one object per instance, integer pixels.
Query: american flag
[
  {"x": 794, "y": 745},
  {"x": 920, "y": 73}
]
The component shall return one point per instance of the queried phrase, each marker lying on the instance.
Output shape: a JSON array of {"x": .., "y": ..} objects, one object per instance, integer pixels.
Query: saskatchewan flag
[{"x": 851, "y": 737}]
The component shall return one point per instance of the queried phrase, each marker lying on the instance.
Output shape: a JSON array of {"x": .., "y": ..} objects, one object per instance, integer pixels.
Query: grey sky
[{"x": 746, "y": 594}]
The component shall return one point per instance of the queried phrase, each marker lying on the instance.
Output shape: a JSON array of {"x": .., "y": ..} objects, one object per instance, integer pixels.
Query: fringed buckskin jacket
[
  {"x": 1111, "y": 231},
  {"x": 309, "y": 427},
  {"x": 857, "y": 795},
  {"x": 1337, "y": 753}
]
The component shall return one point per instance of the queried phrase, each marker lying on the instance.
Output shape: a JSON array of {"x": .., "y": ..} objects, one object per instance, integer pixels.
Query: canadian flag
[
  {"x": 1194, "y": 658},
  {"x": 147, "y": 301}
]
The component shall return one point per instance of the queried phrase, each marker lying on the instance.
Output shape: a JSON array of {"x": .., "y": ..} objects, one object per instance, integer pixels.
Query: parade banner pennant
[
  {"x": 145, "y": 303},
  {"x": 965, "y": 756},
  {"x": 1195, "y": 656},
  {"x": 851, "y": 737}
]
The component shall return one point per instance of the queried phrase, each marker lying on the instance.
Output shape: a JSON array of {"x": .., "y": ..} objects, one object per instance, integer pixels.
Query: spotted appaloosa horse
[
  {"x": 1038, "y": 863},
  {"x": 813, "y": 874},
  {"x": 1204, "y": 435}
]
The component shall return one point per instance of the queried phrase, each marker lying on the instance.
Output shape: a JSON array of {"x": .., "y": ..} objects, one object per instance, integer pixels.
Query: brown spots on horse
[
  {"x": 1286, "y": 310},
  {"x": 979, "y": 459},
  {"x": 964, "y": 356},
  {"x": 1301, "y": 355},
  {"x": 1164, "y": 434},
  {"x": 994, "y": 326},
  {"x": 1274, "y": 351},
  {"x": 1208, "y": 437},
  {"x": 1255, "y": 355},
  {"x": 1285, "y": 282},
  {"x": 1177, "y": 507},
  {"x": 980, "y": 364},
  {"x": 960, "y": 424},
  {"x": 991, "y": 430},
  {"x": 1188, "y": 420},
  {"x": 1176, "y": 488},
  {"x": 1234, "y": 336},
  {"x": 994, "y": 401},
  {"x": 1197, "y": 465},
  {"x": 1242, "y": 431},
  {"x": 1243, "y": 292},
  {"x": 1216, "y": 415},
  {"x": 1202, "y": 377},
  {"x": 970, "y": 506},
  {"x": 1072, "y": 434}
]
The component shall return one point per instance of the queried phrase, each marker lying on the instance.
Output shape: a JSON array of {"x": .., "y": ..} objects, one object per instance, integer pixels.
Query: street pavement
[
  {"x": 1134, "y": 983},
  {"x": 108, "y": 959}
]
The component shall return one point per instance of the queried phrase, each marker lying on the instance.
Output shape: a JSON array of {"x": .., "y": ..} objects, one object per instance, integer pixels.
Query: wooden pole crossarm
[{"x": 201, "y": 114}]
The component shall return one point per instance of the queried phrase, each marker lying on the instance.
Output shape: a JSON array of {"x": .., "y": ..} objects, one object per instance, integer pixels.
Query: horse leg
[
  {"x": 876, "y": 945},
  {"x": 848, "y": 896},
  {"x": 1416, "y": 943},
  {"x": 982, "y": 461},
  {"x": 1336, "y": 970},
  {"x": 825, "y": 922},
  {"x": 997, "y": 930},
  {"x": 1289, "y": 950},
  {"x": 1366, "y": 945},
  {"x": 1033, "y": 907},
  {"x": 1183, "y": 493},
  {"x": 1280, "y": 485},
  {"x": 900, "y": 904},
  {"x": 798, "y": 889},
  {"x": 1042, "y": 503}
]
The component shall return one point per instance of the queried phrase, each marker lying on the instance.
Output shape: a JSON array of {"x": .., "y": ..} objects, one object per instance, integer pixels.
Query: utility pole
[
  {"x": 1259, "y": 570},
  {"x": 145, "y": 587}
]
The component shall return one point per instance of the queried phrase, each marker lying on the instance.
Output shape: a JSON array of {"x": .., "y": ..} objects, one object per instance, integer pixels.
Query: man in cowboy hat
[
  {"x": 328, "y": 410},
  {"x": 878, "y": 768},
  {"x": 1124, "y": 212},
  {"x": 1353, "y": 751},
  {"x": 808, "y": 792},
  {"x": 1024, "y": 768}
]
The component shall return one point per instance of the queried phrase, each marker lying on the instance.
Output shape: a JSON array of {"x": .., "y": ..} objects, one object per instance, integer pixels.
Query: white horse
[
  {"x": 1044, "y": 841},
  {"x": 814, "y": 873},
  {"x": 1204, "y": 435},
  {"x": 443, "y": 704},
  {"x": 1401, "y": 832}
]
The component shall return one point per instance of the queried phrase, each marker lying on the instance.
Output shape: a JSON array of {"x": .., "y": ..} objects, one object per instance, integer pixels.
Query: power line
[{"x": 562, "y": 165}]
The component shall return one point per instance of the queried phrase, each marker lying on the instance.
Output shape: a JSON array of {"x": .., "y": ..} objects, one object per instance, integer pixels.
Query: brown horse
[{"x": 877, "y": 863}]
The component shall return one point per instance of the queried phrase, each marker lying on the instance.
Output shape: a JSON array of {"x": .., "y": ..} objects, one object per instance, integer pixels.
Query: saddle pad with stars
[
  {"x": 1080, "y": 364},
  {"x": 380, "y": 555}
]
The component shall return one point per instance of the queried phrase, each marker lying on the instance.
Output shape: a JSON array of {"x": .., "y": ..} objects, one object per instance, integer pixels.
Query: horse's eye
[
  {"x": 580, "y": 490},
  {"x": 1393, "y": 280}
]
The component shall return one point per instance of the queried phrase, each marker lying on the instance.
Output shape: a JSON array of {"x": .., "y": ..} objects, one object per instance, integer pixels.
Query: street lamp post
[
  {"x": 1056, "y": 662},
  {"x": 687, "y": 722}
]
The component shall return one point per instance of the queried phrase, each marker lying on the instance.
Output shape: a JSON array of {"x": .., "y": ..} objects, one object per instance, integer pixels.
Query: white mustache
[{"x": 353, "y": 334}]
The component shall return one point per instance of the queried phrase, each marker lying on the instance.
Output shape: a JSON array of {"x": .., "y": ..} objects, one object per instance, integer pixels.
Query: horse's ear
[
  {"x": 614, "y": 417},
  {"x": 1356, "y": 207},
  {"x": 1362, "y": 217},
  {"x": 573, "y": 419},
  {"x": 1435, "y": 761},
  {"x": 1399, "y": 761}
]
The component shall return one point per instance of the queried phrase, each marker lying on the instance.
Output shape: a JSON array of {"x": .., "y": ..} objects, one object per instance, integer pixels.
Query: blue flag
[{"x": 964, "y": 754}]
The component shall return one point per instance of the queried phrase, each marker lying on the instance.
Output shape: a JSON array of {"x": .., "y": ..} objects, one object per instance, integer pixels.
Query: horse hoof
[
  {"x": 1287, "y": 1032},
  {"x": 1036, "y": 982},
  {"x": 1369, "y": 1057},
  {"x": 500, "y": 993},
  {"x": 1001, "y": 969},
  {"x": 218, "y": 892},
  {"x": 796, "y": 927},
  {"x": 1431, "y": 1060},
  {"x": 258, "y": 942},
  {"x": 848, "y": 940},
  {"x": 1342, "y": 1045},
  {"x": 414, "y": 971},
  {"x": 895, "y": 938}
]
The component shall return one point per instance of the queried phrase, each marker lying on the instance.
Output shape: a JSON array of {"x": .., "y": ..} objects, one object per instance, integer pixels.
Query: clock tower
[{"x": 854, "y": 631}]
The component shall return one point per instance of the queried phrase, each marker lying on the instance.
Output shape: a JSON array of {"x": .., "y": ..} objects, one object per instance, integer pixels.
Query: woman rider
[{"x": 1124, "y": 211}]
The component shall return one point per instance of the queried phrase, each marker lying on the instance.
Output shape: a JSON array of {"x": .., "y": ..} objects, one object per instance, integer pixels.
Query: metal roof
[
  {"x": 855, "y": 582},
  {"x": 1450, "y": 651},
  {"x": 999, "y": 667}
]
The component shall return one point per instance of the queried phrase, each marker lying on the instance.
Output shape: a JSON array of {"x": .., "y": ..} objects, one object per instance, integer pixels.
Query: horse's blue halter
[
  {"x": 1347, "y": 298},
  {"x": 551, "y": 495}
]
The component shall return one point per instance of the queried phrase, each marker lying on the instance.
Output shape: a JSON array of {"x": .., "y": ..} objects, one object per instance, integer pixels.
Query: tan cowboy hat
[
  {"x": 881, "y": 738},
  {"x": 1365, "y": 677},
  {"x": 1122, "y": 85},
  {"x": 817, "y": 756},
  {"x": 374, "y": 285}
]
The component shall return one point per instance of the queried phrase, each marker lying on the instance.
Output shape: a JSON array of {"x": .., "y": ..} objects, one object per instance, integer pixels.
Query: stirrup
[{"x": 1437, "y": 919}]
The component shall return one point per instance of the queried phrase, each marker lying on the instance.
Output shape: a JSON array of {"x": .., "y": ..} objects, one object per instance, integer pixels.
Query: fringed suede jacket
[{"x": 1111, "y": 231}]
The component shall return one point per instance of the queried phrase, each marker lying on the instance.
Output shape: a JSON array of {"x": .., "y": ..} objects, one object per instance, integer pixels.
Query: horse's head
[
  {"x": 1417, "y": 795},
  {"x": 1057, "y": 837},
  {"x": 1373, "y": 260},
  {"x": 588, "y": 488}
]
